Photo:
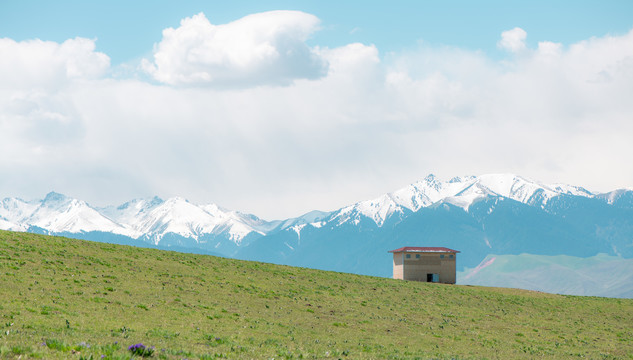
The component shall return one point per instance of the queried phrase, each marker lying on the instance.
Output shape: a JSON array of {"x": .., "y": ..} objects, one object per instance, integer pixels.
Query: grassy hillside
[{"x": 64, "y": 298}]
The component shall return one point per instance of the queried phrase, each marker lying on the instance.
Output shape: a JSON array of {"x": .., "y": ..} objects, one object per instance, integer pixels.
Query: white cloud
[
  {"x": 37, "y": 64},
  {"x": 513, "y": 40},
  {"x": 264, "y": 48},
  {"x": 369, "y": 125},
  {"x": 548, "y": 49},
  {"x": 37, "y": 113}
]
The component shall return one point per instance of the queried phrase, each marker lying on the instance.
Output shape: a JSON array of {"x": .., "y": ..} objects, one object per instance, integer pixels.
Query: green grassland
[{"x": 64, "y": 298}]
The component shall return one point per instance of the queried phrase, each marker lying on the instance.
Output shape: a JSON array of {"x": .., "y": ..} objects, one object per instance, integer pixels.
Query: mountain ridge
[
  {"x": 502, "y": 214},
  {"x": 154, "y": 217}
]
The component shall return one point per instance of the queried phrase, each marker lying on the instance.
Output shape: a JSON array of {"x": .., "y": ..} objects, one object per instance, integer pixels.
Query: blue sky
[
  {"x": 126, "y": 30},
  {"x": 315, "y": 105}
]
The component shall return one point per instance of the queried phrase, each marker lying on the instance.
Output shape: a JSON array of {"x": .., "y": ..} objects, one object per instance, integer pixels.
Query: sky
[{"x": 277, "y": 108}]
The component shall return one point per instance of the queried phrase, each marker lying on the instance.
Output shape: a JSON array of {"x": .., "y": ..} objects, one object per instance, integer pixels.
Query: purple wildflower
[
  {"x": 140, "y": 349},
  {"x": 138, "y": 346}
]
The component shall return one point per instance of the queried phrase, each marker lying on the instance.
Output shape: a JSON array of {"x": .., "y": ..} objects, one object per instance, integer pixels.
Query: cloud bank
[{"x": 272, "y": 126}]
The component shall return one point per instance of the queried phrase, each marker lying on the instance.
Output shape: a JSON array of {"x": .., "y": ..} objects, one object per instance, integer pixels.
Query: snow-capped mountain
[
  {"x": 13, "y": 211},
  {"x": 149, "y": 220},
  {"x": 459, "y": 191},
  {"x": 152, "y": 219},
  {"x": 57, "y": 213}
]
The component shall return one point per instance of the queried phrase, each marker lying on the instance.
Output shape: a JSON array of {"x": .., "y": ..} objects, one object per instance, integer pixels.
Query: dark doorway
[{"x": 432, "y": 277}]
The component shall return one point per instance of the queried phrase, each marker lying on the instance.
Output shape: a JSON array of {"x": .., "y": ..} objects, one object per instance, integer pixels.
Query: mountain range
[{"x": 501, "y": 214}]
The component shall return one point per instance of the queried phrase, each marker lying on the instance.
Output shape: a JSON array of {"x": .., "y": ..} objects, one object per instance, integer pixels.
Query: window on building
[
  {"x": 417, "y": 256},
  {"x": 442, "y": 256},
  {"x": 450, "y": 256},
  {"x": 408, "y": 256}
]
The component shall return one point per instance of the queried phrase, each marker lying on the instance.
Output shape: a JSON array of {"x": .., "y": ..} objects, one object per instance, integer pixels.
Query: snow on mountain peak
[
  {"x": 16, "y": 210},
  {"x": 429, "y": 191},
  {"x": 413, "y": 197},
  {"x": 526, "y": 190},
  {"x": 430, "y": 178},
  {"x": 379, "y": 209},
  {"x": 153, "y": 218},
  {"x": 461, "y": 179},
  {"x": 55, "y": 197},
  {"x": 175, "y": 215},
  {"x": 459, "y": 191},
  {"x": 59, "y": 213},
  {"x": 140, "y": 205},
  {"x": 571, "y": 190}
]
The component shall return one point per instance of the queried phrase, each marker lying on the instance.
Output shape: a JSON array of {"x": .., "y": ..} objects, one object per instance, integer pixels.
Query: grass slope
[{"x": 65, "y": 298}]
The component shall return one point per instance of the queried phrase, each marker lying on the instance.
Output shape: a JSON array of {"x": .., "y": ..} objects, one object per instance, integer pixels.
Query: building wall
[
  {"x": 397, "y": 265},
  {"x": 416, "y": 269}
]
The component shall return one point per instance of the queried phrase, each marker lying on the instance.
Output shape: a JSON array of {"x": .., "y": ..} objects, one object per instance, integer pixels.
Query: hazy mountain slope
[
  {"x": 599, "y": 275},
  {"x": 621, "y": 198}
]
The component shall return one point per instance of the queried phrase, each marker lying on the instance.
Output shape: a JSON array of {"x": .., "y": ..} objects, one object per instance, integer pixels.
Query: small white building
[{"x": 427, "y": 264}]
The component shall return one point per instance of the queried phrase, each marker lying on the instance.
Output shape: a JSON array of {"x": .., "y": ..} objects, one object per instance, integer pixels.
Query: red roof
[{"x": 423, "y": 249}]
